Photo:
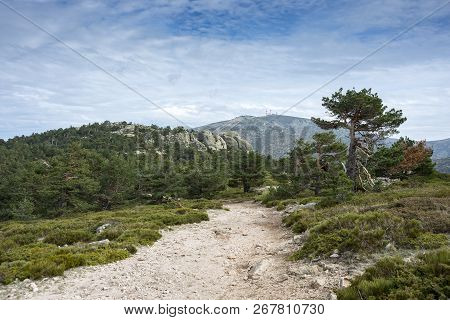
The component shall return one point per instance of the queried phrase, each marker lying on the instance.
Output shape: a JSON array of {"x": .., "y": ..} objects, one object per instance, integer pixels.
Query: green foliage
[
  {"x": 283, "y": 191},
  {"x": 319, "y": 164},
  {"x": 392, "y": 278},
  {"x": 432, "y": 212},
  {"x": 47, "y": 247},
  {"x": 248, "y": 169},
  {"x": 62, "y": 237},
  {"x": 366, "y": 118},
  {"x": 108, "y": 165},
  {"x": 405, "y": 157},
  {"x": 403, "y": 216},
  {"x": 203, "y": 184}
]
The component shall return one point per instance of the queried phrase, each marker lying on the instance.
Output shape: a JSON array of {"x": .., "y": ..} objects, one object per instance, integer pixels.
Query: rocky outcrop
[
  {"x": 211, "y": 141},
  {"x": 160, "y": 138},
  {"x": 233, "y": 140},
  {"x": 206, "y": 140}
]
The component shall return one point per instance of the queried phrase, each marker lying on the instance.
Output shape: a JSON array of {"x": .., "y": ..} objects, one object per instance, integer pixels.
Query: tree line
[
  {"x": 101, "y": 166},
  {"x": 94, "y": 167}
]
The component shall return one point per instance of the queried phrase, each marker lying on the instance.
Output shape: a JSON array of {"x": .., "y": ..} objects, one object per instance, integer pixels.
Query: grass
[
  {"x": 393, "y": 278},
  {"x": 412, "y": 214},
  {"x": 44, "y": 247}
]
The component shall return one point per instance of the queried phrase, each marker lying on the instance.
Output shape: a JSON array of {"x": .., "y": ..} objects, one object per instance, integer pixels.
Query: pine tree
[
  {"x": 366, "y": 118},
  {"x": 317, "y": 164}
]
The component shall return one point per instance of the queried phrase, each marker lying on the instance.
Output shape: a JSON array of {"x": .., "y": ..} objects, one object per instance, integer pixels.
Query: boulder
[{"x": 298, "y": 238}]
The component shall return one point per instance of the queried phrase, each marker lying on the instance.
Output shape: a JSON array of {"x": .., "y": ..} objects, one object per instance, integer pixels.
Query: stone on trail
[
  {"x": 317, "y": 283},
  {"x": 34, "y": 287},
  {"x": 332, "y": 296},
  {"x": 258, "y": 269}
]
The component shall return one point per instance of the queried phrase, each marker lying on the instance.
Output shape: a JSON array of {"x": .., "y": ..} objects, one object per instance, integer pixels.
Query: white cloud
[{"x": 204, "y": 78}]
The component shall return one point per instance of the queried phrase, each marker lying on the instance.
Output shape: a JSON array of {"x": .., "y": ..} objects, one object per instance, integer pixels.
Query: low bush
[
  {"x": 403, "y": 216},
  {"x": 432, "y": 212},
  {"x": 364, "y": 233},
  {"x": 281, "y": 192},
  {"x": 47, "y": 247},
  {"x": 62, "y": 237},
  {"x": 392, "y": 278}
]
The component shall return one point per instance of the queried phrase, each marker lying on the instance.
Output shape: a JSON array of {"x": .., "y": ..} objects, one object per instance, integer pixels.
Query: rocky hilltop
[{"x": 202, "y": 140}]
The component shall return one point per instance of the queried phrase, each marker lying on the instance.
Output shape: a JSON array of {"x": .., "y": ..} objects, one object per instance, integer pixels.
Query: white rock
[
  {"x": 332, "y": 296},
  {"x": 298, "y": 238},
  {"x": 99, "y": 243},
  {"x": 343, "y": 282},
  {"x": 390, "y": 247},
  {"x": 317, "y": 283},
  {"x": 34, "y": 287},
  {"x": 103, "y": 227},
  {"x": 334, "y": 256},
  {"x": 258, "y": 269},
  {"x": 310, "y": 205}
]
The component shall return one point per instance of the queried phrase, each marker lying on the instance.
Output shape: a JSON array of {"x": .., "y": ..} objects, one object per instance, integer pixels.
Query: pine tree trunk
[{"x": 351, "y": 162}]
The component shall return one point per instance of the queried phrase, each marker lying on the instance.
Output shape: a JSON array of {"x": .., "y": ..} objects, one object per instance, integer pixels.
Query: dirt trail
[{"x": 238, "y": 254}]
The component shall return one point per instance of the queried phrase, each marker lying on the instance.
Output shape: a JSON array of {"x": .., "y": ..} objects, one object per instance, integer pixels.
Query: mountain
[
  {"x": 441, "y": 148},
  {"x": 443, "y": 165},
  {"x": 276, "y": 134},
  {"x": 271, "y": 135}
]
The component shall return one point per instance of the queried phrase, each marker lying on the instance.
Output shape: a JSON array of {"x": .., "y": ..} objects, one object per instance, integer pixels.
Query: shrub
[
  {"x": 140, "y": 236},
  {"x": 430, "y": 240},
  {"x": 432, "y": 212},
  {"x": 36, "y": 269},
  {"x": 67, "y": 236},
  {"x": 283, "y": 191},
  {"x": 392, "y": 278},
  {"x": 131, "y": 249},
  {"x": 111, "y": 233},
  {"x": 363, "y": 232},
  {"x": 23, "y": 254}
]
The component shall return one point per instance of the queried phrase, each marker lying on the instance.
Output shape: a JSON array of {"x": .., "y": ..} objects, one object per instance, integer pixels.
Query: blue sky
[{"x": 210, "y": 60}]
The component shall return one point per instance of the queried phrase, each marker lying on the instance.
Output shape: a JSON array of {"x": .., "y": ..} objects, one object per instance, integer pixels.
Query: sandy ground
[{"x": 238, "y": 254}]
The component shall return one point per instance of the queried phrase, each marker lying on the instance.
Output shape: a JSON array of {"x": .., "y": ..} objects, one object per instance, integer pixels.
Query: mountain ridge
[{"x": 259, "y": 132}]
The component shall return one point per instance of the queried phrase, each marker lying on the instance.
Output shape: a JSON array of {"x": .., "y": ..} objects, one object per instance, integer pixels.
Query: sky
[{"x": 205, "y": 61}]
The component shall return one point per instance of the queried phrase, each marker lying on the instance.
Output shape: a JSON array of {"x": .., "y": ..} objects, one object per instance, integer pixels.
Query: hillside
[
  {"x": 99, "y": 166},
  {"x": 126, "y": 137},
  {"x": 441, "y": 148},
  {"x": 443, "y": 165}
]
